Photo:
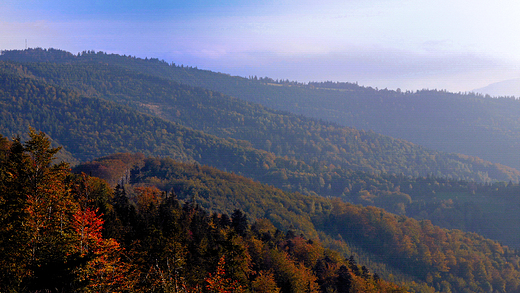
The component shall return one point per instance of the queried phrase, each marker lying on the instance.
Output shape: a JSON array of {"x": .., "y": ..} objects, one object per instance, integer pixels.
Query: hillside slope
[
  {"x": 451, "y": 122},
  {"x": 61, "y": 232},
  {"x": 314, "y": 157},
  {"x": 92, "y": 127},
  {"x": 408, "y": 249},
  {"x": 313, "y": 141}
]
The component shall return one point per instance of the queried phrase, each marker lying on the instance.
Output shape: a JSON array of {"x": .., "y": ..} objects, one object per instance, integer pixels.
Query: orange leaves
[
  {"x": 104, "y": 271},
  {"x": 304, "y": 251},
  {"x": 88, "y": 227},
  {"x": 147, "y": 197},
  {"x": 48, "y": 229},
  {"x": 218, "y": 283},
  {"x": 291, "y": 274}
]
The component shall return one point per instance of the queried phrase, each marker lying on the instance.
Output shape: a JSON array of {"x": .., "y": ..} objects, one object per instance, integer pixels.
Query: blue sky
[{"x": 445, "y": 44}]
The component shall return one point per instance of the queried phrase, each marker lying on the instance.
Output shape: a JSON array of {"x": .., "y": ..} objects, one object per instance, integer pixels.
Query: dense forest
[
  {"x": 376, "y": 231},
  {"x": 485, "y": 208},
  {"x": 282, "y": 133},
  {"x": 62, "y": 232},
  {"x": 90, "y": 127},
  {"x": 167, "y": 188},
  {"x": 160, "y": 231},
  {"x": 464, "y": 123}
]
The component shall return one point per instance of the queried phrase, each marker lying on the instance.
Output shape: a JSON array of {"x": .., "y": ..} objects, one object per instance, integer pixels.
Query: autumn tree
[
  {"x": 219, "y": 283},
  {"x": 48, "y": 240},
  {"x": 36, "y": 206}
]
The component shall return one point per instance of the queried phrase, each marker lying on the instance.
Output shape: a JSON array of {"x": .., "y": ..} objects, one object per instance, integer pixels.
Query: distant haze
[
  {"x": 504, "y": 88},
  {"x": 456, "y": 45}
]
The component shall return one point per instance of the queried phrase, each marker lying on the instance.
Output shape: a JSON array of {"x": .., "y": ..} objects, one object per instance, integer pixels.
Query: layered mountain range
[{"x": 136, "y": 122}]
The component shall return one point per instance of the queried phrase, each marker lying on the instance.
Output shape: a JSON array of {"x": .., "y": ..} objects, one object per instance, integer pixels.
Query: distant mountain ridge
[
  {"x": 97, "y": 105},
  {"x": 315, "y": 142},
  {"x": 506, "y": 88},
  {"x": 469, "y": 124}
]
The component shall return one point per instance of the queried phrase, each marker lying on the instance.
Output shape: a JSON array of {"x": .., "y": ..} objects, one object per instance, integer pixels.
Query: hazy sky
[{"x": 446, "y": 44}]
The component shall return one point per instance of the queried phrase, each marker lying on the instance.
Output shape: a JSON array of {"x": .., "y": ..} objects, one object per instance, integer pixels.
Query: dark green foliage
[
  {"x": 463, "y": 123},
  {"x": 417, "y": 249},
  {"x": 91, "y": 127},
  {"x": 68, "y": 101},
  {"x": 132, "y": 82},
  {"x": 487, "y": 209},
  {"x": 344, "y": 279},
  {"x": 49, "y": 231},
  {"x": 318, "y": 157},
  {"x": 452, "y": 122},
  {"x": 239, "y": 222}
]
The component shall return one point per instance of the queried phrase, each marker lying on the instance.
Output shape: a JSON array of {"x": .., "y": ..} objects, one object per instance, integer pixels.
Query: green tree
[
  {"x": 48, "y": 241},
  {"x": 35, "y": 205}
]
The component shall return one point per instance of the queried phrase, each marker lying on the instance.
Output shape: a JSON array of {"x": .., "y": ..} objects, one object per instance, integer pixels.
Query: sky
[{"x": 456, "y": 45}]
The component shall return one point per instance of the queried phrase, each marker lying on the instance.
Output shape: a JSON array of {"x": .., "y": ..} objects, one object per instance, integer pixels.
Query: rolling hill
[
  {"x": 282, "y": 133},
  {"x": 465, "y": 123},
  {"x": 97, "y": 105},
  {"x": 95, "y": 109},
  {"x": 413, "y": 253}
]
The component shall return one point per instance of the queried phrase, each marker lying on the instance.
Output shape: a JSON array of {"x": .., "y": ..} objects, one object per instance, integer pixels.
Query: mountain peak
[{"x": 509, "y": 87}]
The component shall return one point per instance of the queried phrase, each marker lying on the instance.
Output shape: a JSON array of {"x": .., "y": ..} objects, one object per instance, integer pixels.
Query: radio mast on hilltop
[{"x": 25, "y": 44}]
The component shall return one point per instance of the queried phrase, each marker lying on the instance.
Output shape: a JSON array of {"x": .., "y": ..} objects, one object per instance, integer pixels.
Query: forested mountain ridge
[
  {"x": 406, "y": 248},
  {"x": 61, "y": 232},
  {"x": 463, "y": 123},
  {"x": 487, "y": 209},
  {"x": 284, "y": 134},
  {"x": 90, "y": 127},
  {"x": 154, "y": 235}
]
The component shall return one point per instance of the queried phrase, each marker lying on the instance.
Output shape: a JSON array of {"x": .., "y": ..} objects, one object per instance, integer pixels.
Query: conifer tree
[{"x": 49, "y": 239}]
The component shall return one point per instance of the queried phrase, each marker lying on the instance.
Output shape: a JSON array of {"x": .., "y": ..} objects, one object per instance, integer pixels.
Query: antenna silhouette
[{"x": 25, "y": 44}]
